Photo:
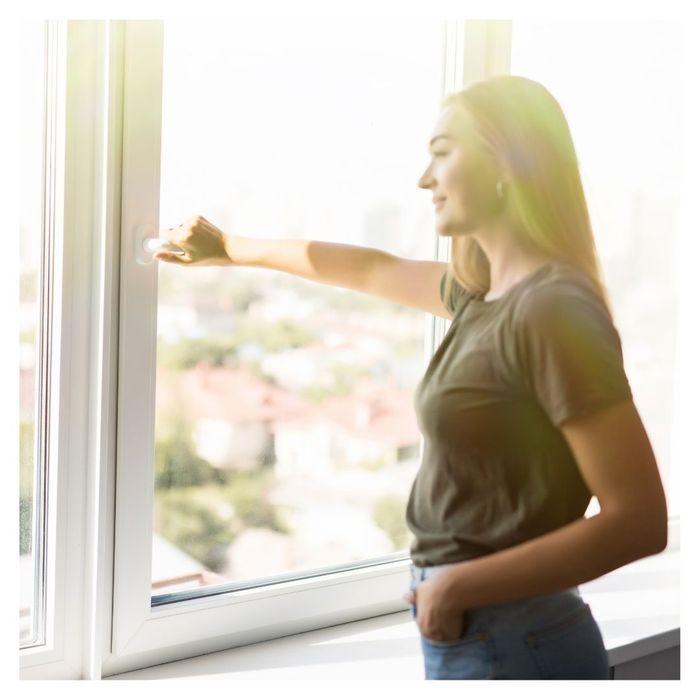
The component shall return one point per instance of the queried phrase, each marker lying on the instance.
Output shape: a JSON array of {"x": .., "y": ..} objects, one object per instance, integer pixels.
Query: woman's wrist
[
  {"x": 454, "y": 586},
  {"x": 238, "y": 250}
]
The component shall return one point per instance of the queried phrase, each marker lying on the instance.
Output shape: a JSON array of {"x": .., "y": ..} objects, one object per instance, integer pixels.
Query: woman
[{"x": 525, "y": 407}]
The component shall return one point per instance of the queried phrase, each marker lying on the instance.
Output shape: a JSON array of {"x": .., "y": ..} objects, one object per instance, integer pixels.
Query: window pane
[
  {"x": 286, "y": 437},
  {"x": 623, "y": 105},
  {"x": 32, "y": 145}
]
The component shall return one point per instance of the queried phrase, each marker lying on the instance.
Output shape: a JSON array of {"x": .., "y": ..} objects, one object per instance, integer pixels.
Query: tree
[
  {"x": 389, "y": 514},
  {"x": 177, "y": 464},
  {"x": 26, "y": 484}
]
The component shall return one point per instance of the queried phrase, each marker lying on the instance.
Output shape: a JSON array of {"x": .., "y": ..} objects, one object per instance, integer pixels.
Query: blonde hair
[{"x": 525, "y": 130}]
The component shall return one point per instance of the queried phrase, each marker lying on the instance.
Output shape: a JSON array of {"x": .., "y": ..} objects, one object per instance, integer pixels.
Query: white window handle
[
  {"x": 146, "y": 244},
  {"x": 156, "y": 245}
]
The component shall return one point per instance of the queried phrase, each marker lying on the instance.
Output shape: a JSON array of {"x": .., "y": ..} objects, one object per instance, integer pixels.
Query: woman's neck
[{"x": 508, "y": 261}]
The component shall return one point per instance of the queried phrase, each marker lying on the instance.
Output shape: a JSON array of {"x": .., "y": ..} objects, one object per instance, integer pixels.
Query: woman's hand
[
  {"x": 204, "y": 244},
  {"x": 438, "y": 617}
]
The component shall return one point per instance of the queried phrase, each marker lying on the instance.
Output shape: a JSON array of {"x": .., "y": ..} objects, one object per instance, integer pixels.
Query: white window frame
[
  {"x": 100, "y": 619},
  {"x": 75, "y": 225},
  {"x": 144, "y": 635}
]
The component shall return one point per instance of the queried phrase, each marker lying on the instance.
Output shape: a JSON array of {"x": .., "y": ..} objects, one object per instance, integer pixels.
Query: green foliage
[
  {"x": 248, "y": 492},
  {"x": 188, "y": 519},
  {"x": 26, "y": 458},
  {"x": 189, "y": 352},
  {"x": 345, "y": 378},
  {"x": 28, "y": 337},
  {"x": 317, "y": 393},
  {"x": 25, "y": 525},
  {"x": 28, "y": 287},
  {"x": 377, "y": 463},
  {"x": 223, "y": 351},
  {"x": 177, "y": 464},
  {"x": 26, "y": 484},
  {"x": 199, "y": 508},
  {"x": 389, "y": 514},
  {"x": 273, "y": 337},
  {"x": 204, "y": 520},
  {"x": 254, "y": 369}
]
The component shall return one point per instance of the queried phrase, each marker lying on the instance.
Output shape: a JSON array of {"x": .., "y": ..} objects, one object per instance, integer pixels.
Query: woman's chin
[{"x": 441, "y": 229}]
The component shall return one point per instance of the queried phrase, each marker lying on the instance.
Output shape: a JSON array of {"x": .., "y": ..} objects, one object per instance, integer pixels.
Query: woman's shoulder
[
  {"x": 561, "y": 289},
  {"x": 452, "y": 293}
]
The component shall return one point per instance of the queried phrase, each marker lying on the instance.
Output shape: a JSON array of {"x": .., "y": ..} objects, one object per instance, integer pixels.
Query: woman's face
[{"x": 461, "y": 175}]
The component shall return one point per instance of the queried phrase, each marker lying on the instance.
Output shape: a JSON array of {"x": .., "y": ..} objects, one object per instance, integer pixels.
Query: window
[
  {"x": 284, "y": 407},
  {"x": 305, "y": 136}
]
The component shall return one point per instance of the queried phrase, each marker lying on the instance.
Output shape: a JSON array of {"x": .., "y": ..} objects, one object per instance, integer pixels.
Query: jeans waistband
[{"x": 421, "y": 573}]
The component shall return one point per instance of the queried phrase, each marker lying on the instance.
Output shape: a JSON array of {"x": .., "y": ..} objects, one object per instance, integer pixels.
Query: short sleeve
[
  {"x": 452, "y": 293},
  {"x": 570, "y": 353}
]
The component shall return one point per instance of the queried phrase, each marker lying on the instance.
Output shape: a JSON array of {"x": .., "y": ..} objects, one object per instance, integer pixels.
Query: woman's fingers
[
  {"x": 176, "y": 239},
  {"x": 170, "y": 258},
  {"x": 202, "y": 242}
]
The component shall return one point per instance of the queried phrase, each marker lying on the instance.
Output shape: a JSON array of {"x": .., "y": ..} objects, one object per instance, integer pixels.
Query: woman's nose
[{"x": 424, "y": 182}]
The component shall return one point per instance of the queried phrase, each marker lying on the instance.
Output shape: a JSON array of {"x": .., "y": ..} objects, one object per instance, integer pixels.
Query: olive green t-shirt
[{"x": 496, "y": 470}]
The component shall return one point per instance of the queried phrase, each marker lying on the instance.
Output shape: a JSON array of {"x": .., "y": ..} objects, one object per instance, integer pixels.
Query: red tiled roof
[
  {"x": 389, "y": 417},
  {"x": 373, "y": 411},
  {"x": 228, "y": 394}
]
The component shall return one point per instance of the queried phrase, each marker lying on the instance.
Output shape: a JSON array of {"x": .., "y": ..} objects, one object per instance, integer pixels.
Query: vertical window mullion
[{"x": 43, "y": 379}]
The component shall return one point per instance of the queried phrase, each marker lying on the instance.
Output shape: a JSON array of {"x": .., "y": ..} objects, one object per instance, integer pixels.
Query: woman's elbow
[
  {"x": 654, "y": 524},
  {"x": 651, "y": 519},
  {"x": 645, "y": 530},
  {"x": 663, "y": 536},
  {"x": 656, "y": 532}
]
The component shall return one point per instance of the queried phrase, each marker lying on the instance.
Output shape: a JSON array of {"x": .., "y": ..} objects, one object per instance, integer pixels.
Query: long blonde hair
[{"x": 524, "y": 128}]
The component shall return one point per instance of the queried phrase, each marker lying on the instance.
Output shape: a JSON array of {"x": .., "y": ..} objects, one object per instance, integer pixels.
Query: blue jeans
[{"x": 546, "y": 637}]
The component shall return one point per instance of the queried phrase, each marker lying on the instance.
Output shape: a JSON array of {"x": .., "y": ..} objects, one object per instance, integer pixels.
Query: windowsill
[{"x": 637, "y": 608}]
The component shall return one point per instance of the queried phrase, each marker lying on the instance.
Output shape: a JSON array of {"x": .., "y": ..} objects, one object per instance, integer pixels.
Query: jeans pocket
[
  {"x": 570, "y": 647},
  {"x": 467, "y": 636},
  {"x": 471, "y": 657}
]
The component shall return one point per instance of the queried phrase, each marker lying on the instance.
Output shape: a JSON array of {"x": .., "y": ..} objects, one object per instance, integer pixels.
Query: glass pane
[
  {"x": 286, "y": 437},
  {"x": 32, "y": 145},
  {"x": 623, "y": 105}
]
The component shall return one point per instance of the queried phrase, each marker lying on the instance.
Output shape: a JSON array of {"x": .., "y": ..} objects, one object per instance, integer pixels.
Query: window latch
[{"x": 146, "y": 244}]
